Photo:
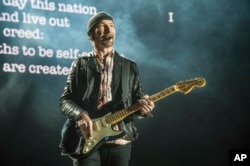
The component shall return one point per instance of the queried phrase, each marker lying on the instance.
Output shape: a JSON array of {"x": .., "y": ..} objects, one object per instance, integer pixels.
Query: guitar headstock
[{"x": 186, "y": 86}]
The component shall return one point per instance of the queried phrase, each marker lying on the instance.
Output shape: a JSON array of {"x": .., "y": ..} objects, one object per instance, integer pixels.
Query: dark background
[{"x": 208, "y": 38}]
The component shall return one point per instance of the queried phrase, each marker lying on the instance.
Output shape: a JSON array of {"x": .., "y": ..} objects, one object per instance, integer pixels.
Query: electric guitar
[{"x": 102, "y": 127}]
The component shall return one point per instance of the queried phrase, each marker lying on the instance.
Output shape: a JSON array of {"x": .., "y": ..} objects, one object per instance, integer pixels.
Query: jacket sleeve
[{"x": 70, "y": 98}]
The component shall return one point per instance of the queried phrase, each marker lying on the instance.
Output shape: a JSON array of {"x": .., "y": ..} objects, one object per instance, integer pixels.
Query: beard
[
  {"x": 108, "y": 43},
  {"x": 107, "y": 40}
]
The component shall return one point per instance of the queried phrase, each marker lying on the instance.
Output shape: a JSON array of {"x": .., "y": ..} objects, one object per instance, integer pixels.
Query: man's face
[{"x": 104, "y": 34}]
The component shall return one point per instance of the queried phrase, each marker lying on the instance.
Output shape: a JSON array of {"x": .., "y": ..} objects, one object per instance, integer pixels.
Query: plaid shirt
[{"x": 106, "y": 68}]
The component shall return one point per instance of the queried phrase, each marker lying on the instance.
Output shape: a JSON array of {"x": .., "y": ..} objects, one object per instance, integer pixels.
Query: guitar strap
[{"x": 125, "y": 81}]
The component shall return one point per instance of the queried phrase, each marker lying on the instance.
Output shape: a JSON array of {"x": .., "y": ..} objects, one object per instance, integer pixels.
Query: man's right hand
[{"x": 85, "y": 124}]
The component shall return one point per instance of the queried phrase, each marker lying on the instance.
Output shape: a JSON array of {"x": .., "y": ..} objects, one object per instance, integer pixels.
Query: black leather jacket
[{"x": 81, "y": 90}]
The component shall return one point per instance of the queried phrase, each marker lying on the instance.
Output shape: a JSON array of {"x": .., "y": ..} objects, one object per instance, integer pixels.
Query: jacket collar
[
  {"x": 117, "y": 68},
  {"x": 117, "y": 72},
  {"x": 92, "y": 62}
]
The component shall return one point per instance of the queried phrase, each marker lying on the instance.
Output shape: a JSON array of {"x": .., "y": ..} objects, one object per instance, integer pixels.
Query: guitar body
[{"x": 102, "y": 132}]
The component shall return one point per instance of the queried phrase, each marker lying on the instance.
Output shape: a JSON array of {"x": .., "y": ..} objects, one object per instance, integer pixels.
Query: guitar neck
[
  {"x": 164, "y": 93},
  {"x": 122, "y": 114}
]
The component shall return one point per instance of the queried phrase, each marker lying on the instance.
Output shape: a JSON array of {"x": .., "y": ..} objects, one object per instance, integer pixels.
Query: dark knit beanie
[{"x": 95, "y": 19}]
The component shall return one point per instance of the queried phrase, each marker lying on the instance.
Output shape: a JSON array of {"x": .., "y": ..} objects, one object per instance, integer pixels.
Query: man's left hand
[{"x": 146, "y": 105}]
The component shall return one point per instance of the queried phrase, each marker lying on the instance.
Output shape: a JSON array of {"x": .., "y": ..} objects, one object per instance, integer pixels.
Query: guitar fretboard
[
  {"x": 122, "y": 114},
  {"x": 164, "y": 93}
]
